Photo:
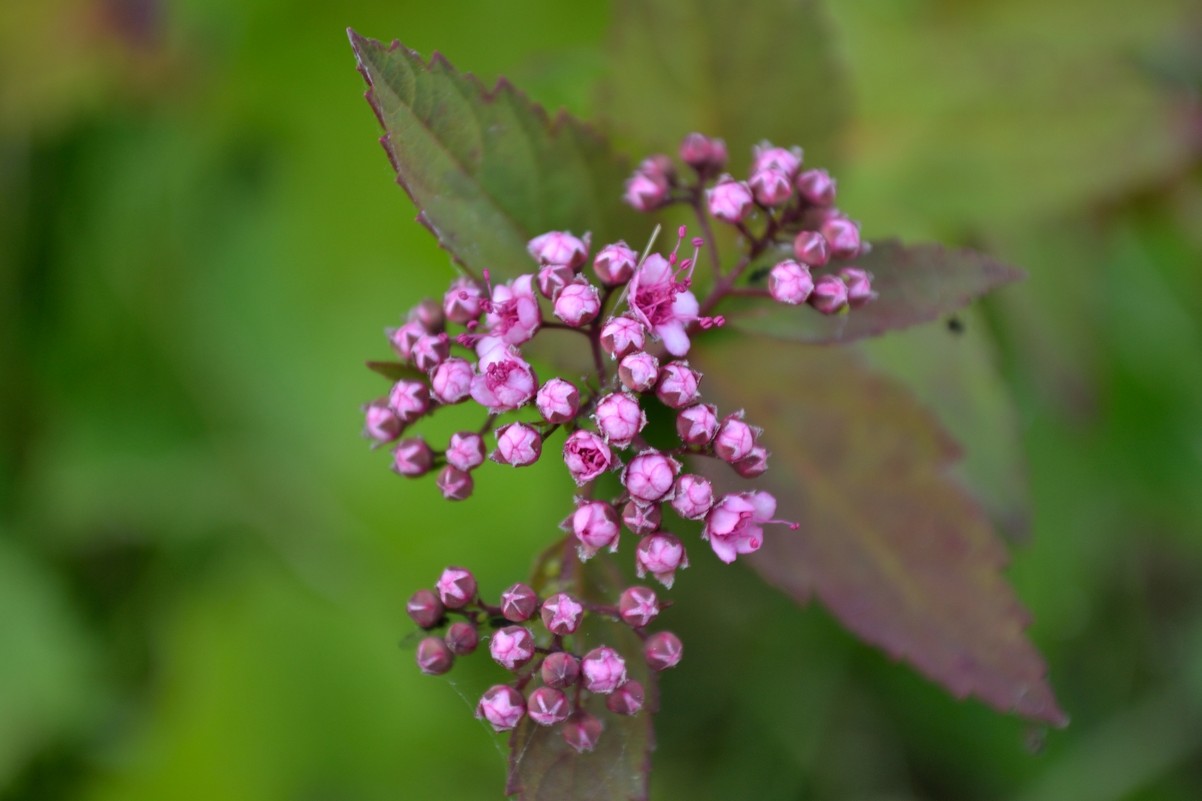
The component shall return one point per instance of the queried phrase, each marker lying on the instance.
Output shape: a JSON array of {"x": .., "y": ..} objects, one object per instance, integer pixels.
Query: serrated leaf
[
  {"x": 726, "y": 69},
  {"x": 542, "y": 766},
  {"x": 914, "y": 283},
  {"x": 899, "y": 553},
  {"x": 488, "y": 168}
]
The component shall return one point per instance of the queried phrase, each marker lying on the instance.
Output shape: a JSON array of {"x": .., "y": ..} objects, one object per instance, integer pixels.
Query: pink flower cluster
[
  {"x": 638, "y": 315},
  {"x": 566, "y": 677}
]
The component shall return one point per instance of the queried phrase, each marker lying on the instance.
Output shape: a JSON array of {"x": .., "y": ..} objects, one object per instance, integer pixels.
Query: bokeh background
[{"x": 203, "y": 568}]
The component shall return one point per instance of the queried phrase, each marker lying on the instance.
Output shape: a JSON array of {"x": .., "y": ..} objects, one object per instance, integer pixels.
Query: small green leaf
[
  {"x": 395, "y": 371},
  {"x": 914, "y": 284},
  {"x": 898, "y": 552},
  {"x": 727, "y": 69},
  {"x": 542, "y": 766},
  {"x": 487, "y": 168}
]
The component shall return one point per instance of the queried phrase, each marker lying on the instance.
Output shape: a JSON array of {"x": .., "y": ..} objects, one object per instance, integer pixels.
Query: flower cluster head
[
  {"x": 535, "y": 639},
  {"x": 649, "y": 489}
]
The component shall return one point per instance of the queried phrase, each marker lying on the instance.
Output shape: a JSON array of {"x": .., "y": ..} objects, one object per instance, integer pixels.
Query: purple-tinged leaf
[
  {"x": 395, "y": 371},
  {"x": 898, "y": 552},
  {"x": 542, "y": 766},
  {"x": 487, "y": 168},
  {"x": 726, "y": 69},
  {"x": 914, "y": 283}
]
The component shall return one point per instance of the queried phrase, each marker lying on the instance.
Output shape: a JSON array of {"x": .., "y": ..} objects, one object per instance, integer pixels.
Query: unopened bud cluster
[
  {"x": 636, "y": 315},
  {"x": 533, "y": 638}
]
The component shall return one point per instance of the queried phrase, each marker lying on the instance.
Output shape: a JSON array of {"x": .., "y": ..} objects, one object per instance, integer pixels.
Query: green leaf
[
  {"x": 542, "y": 766},
  {"x": 914, "y": 284},
  {"x": 487, "y": 168},
  {"x": 395, "y": 371},
  {"x": 898, "y": 552},
  {"x": 727, "y": 69}
]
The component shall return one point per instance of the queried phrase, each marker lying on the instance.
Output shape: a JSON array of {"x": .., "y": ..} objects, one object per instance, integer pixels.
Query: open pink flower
[
  {"x": 736, "y": 523},
  {"x": 514, "y": 316},
  {"x": 505, "y": 380},
  {"x": 662, "y": 303}
]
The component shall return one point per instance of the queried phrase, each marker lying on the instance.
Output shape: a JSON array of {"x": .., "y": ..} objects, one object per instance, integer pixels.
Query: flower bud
[
  {"x": 638, "y": 371},
  {"x": 466, "y": 451},
  {"x": 663, "y": 650},
  {"x": 697, "y": 425},
  {"x": 621, "y": 336},
  {"x": 754, "y": 464},
  {"x": 817, "y": 187},
  {"x": 547, "y": 706},
  {"x": 455, "y": 484},
  {"x": 638, "y": 606},
  {"x": 557, "y": 401},
  {"x": 859, "y": 286},
  {"x": 412, "y": 458},
  {"x": 518, "y": 603},
  {"x": 582, "y": 731},
  {"x": 707, "y": 156},
  {"x": 678, "y": 385},
  {"x": 694, "y": 497},
  {"x": 603, "y": 670},
  {"x": 433, "y": 656},
  {"x": 464, "y": 301},
  {"x": 645, "y": 192},
  {"x": 456, "y": 587},
  {"x": 641, "y": 518},
  {"x": 729, "y": 200},
  {"x": 518, "y": 445},
  {"x": 380, "y": 422},
  {"x": 562, "y": 614},
  {"x": 830, "y": 295},
  {"x": 578, "y": 303},
  {"x": 626, "y": 700},
  {"x": 770, "y": 186},
  {"x": 409, "y": 399},
  {"x": 429, "y": 314},
  {"x": 586, "y": 456},
  {"x": 658, "y": 167},
  {"x": 843, "y": 236},
  {"x": 511, "y": 647},
  {"x": 451, "y": 381},
  {"x": 649, "y": 476},
  {"x": 660, "y": 555},
  {"x": 552, "y": 278},
  {"x": 768, "y": 157},
  {"x": 402, "y": 338},
  {"x": 619, "y": 418},
  {"x": 615, "y": 264},
  {"x": 502, "y": 706},
  {"x": 430, "y": 350},
  {"x": 811, "y": 249},
  {"x": 735, "y": 439},
  {"x": 462, "y": 638},
  {"x": 558, "y": 247},
  {"x": 595, "y": 526},
  {"x": 425, "y": 609},
  {"x": 790, "y": 282},
  {"x": 560, "y": 669}
]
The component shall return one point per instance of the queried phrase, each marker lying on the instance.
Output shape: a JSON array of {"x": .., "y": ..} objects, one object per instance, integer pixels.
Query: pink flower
[
  {"x": 562, "y": 613},
  {"x": 381, "y": 423},
  {"x": 455, "y": 484},
  {"x": 736, "y": 524},
  {"x": 587, "y": 456},
  {"x": 451, "y": 381},
  {"x": 513, "y": 317},
  {"x": 663, "y": 650},
  {"x": 582, "y": 731},
  {"x": 642, "y": 518},
  {"x": 859, "y": 286},
  {"x": 694, "y": 497},
  {"x": 697, "y": 425},
  {"x": 843, "y": 235},
  {"x": 557, "y": 401},
  {"x": 466, "y": 450},
  {"x": 660, "y": 555},
  {"x": 409, "y": 399},
  {"x": 702, "y": 153},
  {"x": 678, "y": 385},
  {"x": 505, "y": 380},
  {"x": 768, "y": 157},
  {"x": 615, "y": 264},
  {"x": 645, "y": 192},
  {"x": 649, "y": 476},
  {"x": 578, "y": 303},
  {"x": 548, "y": 706},
  {"x": 595, "y": 525},
  {"x": 729, "y": 200},
  {"x": 829, "y": 295},
  {"x": 638, "y": 606},
  {"x": 619, "y": 418},
  {"x": 511, "y": 647},
  {"x": 456, "y": 587},
  {"x": 817, "y": 186},
  {"x": 604, "y": 670},
  {"x": 621, "y": 336},
  {"x": 412, "y": 458},
  {"x": 403, "y": 337},
  {"x": 790, "y": 282},
  {"x": 518, "y": 445},
  {"x": 558, "y": 247},
  {"x": 662, "y": 303},
  {"x": 638, "y": 371},
  {"x": 735, "y": 438},
  {"x": 810, "y": 247},
  {"x": 502, "y": 706},
  {"x": 464, "y": 301},
  {"x": 771, "y": 186}
]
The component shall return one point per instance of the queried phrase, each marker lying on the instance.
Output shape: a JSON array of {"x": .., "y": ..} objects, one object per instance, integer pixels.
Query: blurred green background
[{"x": 203, "y": 568}]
